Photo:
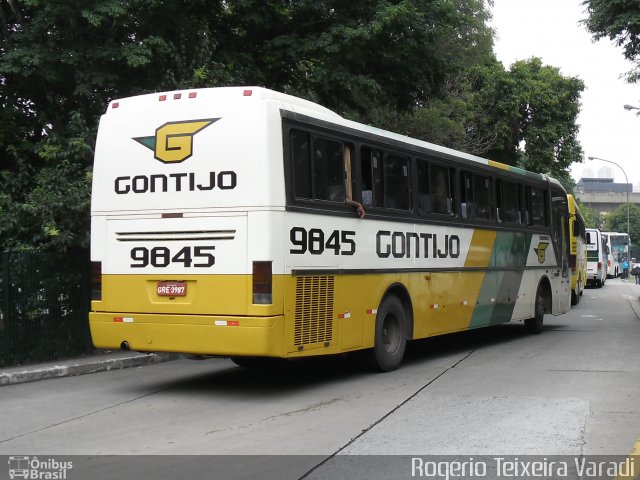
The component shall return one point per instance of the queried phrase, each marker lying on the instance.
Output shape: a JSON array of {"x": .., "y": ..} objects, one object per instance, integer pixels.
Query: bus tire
[
  {"x": 390, "y": 336},
  {"x": 575, "y": 294},
  {"x": 535, "y": 324}
]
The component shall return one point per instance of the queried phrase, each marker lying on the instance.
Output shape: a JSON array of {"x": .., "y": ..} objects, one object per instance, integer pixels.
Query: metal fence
[{"x": 44, "y": 306}]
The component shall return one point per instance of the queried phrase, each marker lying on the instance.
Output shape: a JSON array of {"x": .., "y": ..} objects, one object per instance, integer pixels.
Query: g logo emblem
[
  {"x": 541, "y": 251},
  {"x": 173, "y": 141}
]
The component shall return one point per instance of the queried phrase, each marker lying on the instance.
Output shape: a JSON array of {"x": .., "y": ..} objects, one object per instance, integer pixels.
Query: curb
[{"x": 86, "y": 366}]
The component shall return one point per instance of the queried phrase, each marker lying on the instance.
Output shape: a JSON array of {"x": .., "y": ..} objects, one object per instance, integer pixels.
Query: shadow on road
[{"x": 278, "y": 379}]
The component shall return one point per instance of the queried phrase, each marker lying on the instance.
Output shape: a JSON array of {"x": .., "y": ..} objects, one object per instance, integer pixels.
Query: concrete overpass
[{"x": 607, "y": 201}]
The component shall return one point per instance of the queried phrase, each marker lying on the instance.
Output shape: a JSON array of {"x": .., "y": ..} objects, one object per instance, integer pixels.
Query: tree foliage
[
  {"x": 618, "y": 20},
  {"x": 421, "y": 67},
  {"x": 616, "y": 221},
  {"x": 534, "y": 111},
  {"x": 592, "y": 219}
]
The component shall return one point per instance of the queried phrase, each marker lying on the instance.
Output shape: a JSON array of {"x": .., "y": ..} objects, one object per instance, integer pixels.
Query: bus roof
[{"x": 230, "y": 95}]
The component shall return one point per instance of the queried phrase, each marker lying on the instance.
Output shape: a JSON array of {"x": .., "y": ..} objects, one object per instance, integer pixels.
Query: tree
[
  {"x": 533, "y": 110},
  {"x": 616, "y": 221},
  {"x": 592, "y": 219},
  {"x": 619, "y": 20}
]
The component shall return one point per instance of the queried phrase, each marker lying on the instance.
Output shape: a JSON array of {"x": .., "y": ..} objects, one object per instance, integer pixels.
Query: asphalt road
[{"x": 572, "y": 390}]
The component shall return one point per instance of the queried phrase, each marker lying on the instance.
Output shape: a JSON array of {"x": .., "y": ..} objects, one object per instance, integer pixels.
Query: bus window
[
  {"x": 371, "y": 177},
  {"x": 476, "y": 196},
  {"x": 301, "y": 159},
  {"x": 328, "y": 170},
  {"x": 482, "y": 195},
  {"x": 466, "y": 192},
  {"x": 499, "y": 201},
  {"x": 396, "y": 179},
  {"x": 508, "y": 202},
  {"x": 318, "y": 176},
  {"x": 442, "y": 186},
  {"x": 424, "y": 197},
  {"x": 435, "y": 188},
  {"x": 536, "y": 199},
  {"x": 385, "y": 180},
  {"x": 560, "y": 228}
]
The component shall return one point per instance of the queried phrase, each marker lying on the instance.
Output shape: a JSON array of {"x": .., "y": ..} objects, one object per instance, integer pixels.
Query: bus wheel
[
  {"x": 390, "y": 337},
  {"x": 535, "y": 324},
  {"x": 575, "y": 295}
]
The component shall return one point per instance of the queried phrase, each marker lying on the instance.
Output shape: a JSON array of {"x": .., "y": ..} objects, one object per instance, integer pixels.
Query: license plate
[{"x": 171, "y": 289}]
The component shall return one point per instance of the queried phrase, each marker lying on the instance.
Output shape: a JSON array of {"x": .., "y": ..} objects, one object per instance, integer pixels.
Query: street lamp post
[{"x": 625, "y": 178}]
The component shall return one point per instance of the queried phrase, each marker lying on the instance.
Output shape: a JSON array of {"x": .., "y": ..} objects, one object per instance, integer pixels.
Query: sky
[{"x": 550, "y": 29}]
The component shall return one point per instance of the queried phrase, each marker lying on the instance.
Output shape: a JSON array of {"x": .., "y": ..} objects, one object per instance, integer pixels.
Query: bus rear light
[
  {"x": 262, "y": 283},
  {"x": 96, "y": 281},
  {"x": 599, "y": 265}
]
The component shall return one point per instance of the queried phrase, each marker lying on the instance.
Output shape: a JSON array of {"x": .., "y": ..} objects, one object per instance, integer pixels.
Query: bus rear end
[
  {"x": 596, "y": 258},
  {"x": 180, "y": 179}
]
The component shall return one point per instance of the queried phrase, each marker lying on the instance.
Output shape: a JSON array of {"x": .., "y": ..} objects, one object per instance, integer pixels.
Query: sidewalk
[
  {"x": 100, "y": 362},
  {"x": 634, "y": 298}
]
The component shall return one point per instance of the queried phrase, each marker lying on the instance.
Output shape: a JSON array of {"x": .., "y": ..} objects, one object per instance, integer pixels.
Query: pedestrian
[
  {"x": 635, "y": 270},
  {"x": 625, "y": 267}
]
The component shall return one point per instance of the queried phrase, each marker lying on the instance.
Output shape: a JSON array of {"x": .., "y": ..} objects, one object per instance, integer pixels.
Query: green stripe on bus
[{"x": 499, "y": 290}]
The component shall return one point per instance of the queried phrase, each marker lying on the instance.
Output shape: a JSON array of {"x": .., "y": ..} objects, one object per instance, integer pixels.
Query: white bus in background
[
  {"x": 597, "y": 252},
  {"x": 618, "y": 245}
]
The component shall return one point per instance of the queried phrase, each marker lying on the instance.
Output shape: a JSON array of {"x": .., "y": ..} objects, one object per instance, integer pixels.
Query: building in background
[{"x": 603, "y": 195}]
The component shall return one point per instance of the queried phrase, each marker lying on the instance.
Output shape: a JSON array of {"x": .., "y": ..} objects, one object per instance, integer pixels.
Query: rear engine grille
[{"x": 314, "y": 310}]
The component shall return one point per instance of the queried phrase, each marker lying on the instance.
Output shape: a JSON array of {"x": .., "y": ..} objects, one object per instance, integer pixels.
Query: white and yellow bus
[
  {"x": 618, "y": 251},
  {"x": 227, "y": 222},
  {"x": 578, "y": 250}
]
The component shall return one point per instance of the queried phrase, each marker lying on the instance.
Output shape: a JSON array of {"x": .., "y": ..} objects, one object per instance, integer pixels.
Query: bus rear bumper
[{"x": 194, "y": 334}]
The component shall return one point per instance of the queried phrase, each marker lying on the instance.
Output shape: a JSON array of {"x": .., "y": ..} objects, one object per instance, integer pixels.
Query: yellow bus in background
[{"x": 578, "y": 250}]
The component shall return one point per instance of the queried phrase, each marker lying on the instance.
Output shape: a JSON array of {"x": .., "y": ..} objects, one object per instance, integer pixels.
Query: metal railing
[{"x": 44, "y": 306}]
